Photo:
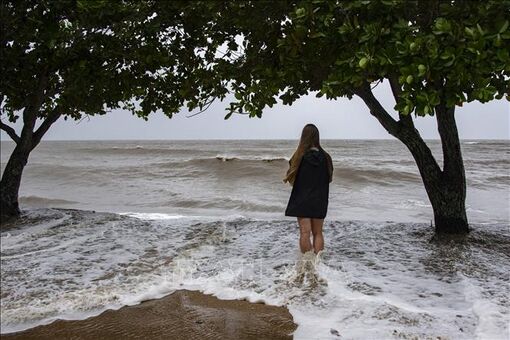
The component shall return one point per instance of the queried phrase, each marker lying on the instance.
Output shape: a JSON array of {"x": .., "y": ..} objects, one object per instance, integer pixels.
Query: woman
[{"x": 310, "y": 172}]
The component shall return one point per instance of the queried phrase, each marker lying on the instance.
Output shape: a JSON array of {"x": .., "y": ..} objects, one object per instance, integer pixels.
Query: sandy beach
[{"x": 183, "y": 314}]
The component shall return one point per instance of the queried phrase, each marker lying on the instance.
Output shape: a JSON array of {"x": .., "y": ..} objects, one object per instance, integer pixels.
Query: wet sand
[{"x": 181, "y": 315}]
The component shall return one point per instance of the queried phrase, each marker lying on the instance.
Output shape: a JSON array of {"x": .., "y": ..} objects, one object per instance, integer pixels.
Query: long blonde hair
[{"x": 309, "y": 138}]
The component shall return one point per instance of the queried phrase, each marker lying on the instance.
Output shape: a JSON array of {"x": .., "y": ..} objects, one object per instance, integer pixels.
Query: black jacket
[{"x": 310, "y": 192}]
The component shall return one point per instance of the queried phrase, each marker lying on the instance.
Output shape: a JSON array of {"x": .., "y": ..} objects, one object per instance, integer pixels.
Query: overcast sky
[{"x": 339, "y": 119}]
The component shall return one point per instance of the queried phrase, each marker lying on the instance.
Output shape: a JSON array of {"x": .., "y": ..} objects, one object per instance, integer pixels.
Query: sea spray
[{"x": 305, "y": 272}]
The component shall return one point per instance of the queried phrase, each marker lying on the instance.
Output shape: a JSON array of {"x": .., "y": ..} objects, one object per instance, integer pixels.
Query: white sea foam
[
  {"x": 374, "y": 280},
  {"x": 265, "y": 158},
  {"x": 492, "y": 317},
  {"x": 153, "y": 216}
]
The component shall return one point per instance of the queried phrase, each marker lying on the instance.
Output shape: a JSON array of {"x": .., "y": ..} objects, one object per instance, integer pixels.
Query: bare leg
[
  {"x": 305, "y": 228},
  {"x": 318, "y": 239}
]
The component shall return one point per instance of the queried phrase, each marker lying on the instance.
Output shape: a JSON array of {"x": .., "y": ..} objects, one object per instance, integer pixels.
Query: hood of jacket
[{"x": 313, "y": 157}]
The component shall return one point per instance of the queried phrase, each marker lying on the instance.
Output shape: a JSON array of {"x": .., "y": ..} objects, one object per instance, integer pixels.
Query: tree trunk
[
  {"x": 450, "y": 204},
  {"x": 445, "y": 188},
  {"x": 25, "y": 143},
  {"x": 449, "y": 210},
  {"x": 446, "y": 194},
  {"x": 10, "y": 183}
]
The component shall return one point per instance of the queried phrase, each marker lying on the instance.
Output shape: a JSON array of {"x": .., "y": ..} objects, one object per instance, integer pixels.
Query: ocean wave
[
  {"x": 476, "y": 163},
  {"x": 412, "y": 203},
  {"x": 136, "y": 147},
  {"x": 501, "y": 179},
  {"x": 379, "y": 176},
  {"x": 214, "y": 203},
  {"x": 226, "y": 158},
  {"x": 343, "y": 172},
  {"x": 135, "y": 150},
  {"x": 44, "y": 201},
  {"x": 234, "y": 161},
  {"x": 153, "y": 216}
]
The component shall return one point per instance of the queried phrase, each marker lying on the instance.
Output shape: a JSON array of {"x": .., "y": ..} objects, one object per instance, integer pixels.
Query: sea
[{"x": 112, "y": 223}]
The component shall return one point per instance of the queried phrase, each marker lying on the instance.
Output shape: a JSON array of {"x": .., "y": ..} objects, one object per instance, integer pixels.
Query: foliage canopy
[
  {"x": 432, "y": 52},
  {"x": 70, "y": 58}
]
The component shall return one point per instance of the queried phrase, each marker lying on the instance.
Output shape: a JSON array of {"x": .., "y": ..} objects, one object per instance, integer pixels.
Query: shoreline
[
  {"x": 385, "y": 274},
  {"x": 183, "y": 314}
]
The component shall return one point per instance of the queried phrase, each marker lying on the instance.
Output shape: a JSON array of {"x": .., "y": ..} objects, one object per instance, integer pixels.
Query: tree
[
  {"x": 71, "y": 58},
  {"x": 434, "y": 54}
]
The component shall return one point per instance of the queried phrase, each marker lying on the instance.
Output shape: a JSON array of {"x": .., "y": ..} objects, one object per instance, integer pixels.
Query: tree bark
[
  {"x": 450, "y": 205},
  {"x": 11, "y": 177},
  {"x": 25, "y": 143},
  {"x": 10, "y": 183},
  {"x": 445, "y": 188}
]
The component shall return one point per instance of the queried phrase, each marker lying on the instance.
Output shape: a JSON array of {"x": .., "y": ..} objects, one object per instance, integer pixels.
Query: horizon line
[{"x": 247, "y": 139}]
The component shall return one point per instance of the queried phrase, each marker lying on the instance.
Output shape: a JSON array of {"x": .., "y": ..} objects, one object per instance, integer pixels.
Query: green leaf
[
  {"x": 469, "y": 31},
  {"x": 441, "y": 26},
  {"x": 422, "y": 69},
  {"x": 480, "y": 29},
  {"x": 504, "y": 27},
  {"x": 449, "y": 63},
  {"x": 363, "y": 62},
  {"x": 300, "y": 12},
  {"x": 317, "y": 35},
  {"x": 497, "y": 42}
]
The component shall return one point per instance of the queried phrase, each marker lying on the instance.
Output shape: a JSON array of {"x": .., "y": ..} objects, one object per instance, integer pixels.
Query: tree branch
[
  {"x": 408, "y": 135},
  {"x": 51, "y": 118},
  {"x": 405, "y": 120},
  {"x": 395, "y": 87},
  {"x": 208, "y": 104},
  {"x": 376, "y": 109},
  {"x": 373, "y": 87},
  {"x": 31, "y": 109},
  {"x": 453, "y": 164},
  {"x": 10, "y": 131}
]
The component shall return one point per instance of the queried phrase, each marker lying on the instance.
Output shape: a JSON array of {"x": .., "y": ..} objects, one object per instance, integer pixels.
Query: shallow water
[
  {"x": 373, "y": 180},
  {"x": 381, "y": 280}
]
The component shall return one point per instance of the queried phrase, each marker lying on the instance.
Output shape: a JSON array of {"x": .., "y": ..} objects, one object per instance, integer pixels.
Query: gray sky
[{"x": 339, "y": 119}]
